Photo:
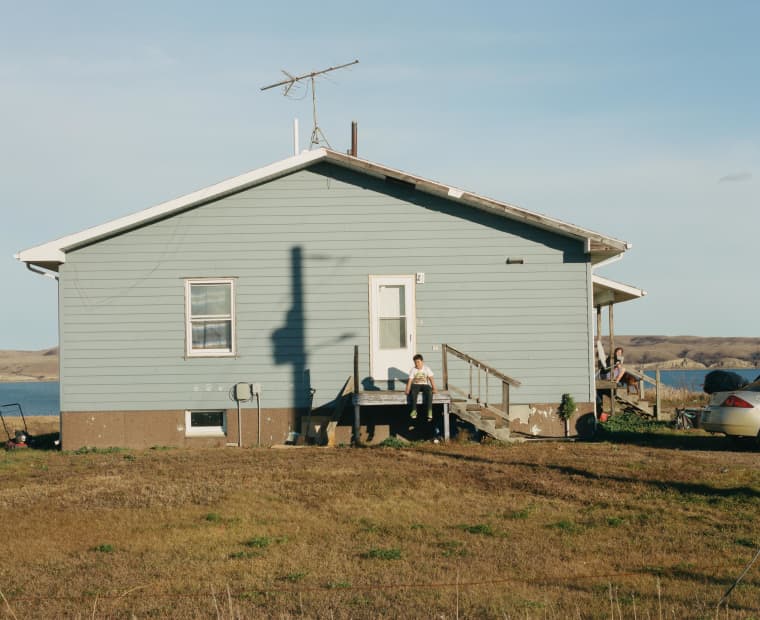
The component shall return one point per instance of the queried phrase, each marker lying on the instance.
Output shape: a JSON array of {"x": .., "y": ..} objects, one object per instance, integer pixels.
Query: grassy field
[{"x": 637, "y": 525}]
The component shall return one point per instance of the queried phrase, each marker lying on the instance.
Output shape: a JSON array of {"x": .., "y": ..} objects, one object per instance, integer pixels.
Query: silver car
[{"x": 735, "y": 413}]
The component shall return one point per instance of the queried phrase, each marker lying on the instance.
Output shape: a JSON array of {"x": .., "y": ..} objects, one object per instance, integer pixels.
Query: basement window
[
  {"x": 205, "y": 424},
  {"x": 210, "y": 317}
]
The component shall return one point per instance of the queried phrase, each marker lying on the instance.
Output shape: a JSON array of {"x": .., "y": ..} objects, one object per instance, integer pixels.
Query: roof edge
[
  {"x": 55, "y": 251},
  {"x": 599, "y": 247}
]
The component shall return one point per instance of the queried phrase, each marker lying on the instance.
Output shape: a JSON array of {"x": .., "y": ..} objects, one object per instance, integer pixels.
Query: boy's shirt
[{"x": 420, "y": 375}]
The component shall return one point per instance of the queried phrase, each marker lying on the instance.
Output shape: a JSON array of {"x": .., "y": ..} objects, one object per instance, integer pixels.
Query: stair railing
[
  {"x": 643, "y": 378},
  {"x": 477, "y": 370}
]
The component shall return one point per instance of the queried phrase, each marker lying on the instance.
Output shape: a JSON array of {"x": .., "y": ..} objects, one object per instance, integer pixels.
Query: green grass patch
[
  {"x": 518, "y": 514},
  {"x": 566, "y": 525},
  {"x": 294, "y": 577},
  {"x": 103, "y": 549},
  {"x": 481, "y": 528},
  {"x": 745, "y": 542},
  {"x": 382, "y": 554},
  {"x": 89, "y": 450},
  {"x": 258, "y": 542},
  {"x": 367, "y": 526},
  {"x": 452, "y": 548},
  {"x": 244, "y": 555}
]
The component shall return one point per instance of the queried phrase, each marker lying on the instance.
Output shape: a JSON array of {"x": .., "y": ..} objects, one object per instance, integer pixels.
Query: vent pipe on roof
[
  {"x": 295, "y": 136},
  {"x": 354, "y": 139}
]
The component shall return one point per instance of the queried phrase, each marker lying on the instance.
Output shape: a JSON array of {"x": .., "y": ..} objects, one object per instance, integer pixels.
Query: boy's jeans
[{"x": 427, "y": 397}]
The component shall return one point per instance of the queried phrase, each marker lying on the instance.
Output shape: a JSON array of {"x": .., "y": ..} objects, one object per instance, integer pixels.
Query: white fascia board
[
  {"x": 626, "y": 289},
  {"x": 55, "y": 251}
]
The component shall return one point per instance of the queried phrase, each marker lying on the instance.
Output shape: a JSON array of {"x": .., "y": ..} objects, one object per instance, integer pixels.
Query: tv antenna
[{"x": 317, "y": 136}]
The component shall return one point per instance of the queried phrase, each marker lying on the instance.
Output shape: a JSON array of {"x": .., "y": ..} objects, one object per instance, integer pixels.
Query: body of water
[
  {"x": 693, "y": 379},
  {"x": 35, "y": 398}
]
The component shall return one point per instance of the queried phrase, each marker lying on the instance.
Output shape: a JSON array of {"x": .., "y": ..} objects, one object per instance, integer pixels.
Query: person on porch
[{"x": 420, "y": 380}]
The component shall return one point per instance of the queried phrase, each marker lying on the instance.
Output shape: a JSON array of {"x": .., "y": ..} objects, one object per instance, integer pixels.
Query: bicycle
[{"x": 686, "y": 419}]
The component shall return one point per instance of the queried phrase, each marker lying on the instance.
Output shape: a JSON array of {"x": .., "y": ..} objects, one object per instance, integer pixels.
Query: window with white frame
[
  {"x": 205, "y": 423},
  {"x": 210, "y": 317}
]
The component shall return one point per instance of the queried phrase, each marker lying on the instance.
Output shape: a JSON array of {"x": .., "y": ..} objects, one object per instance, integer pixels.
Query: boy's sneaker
[
  {"x": 413, "y": 415},
  {"x": 430, "y": 416}
]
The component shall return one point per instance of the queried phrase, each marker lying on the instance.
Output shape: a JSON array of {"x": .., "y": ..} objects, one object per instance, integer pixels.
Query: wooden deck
[
  {"x": 371, "y": 398},
  {"x": 376, "y": 398}
]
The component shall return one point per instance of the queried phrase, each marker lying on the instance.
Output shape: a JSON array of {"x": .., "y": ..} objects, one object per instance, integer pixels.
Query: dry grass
[{"x": 653, "y": 528}]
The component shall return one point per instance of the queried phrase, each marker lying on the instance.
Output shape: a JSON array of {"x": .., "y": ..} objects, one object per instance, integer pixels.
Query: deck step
[{"x": 486, "y": 420}]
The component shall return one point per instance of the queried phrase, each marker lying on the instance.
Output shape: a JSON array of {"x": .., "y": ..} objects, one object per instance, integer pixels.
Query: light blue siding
[{"x": 301, "y": 249}]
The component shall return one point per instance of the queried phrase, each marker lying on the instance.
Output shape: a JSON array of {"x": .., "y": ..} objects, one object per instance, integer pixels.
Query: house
[{"x": 223, "y": 316}]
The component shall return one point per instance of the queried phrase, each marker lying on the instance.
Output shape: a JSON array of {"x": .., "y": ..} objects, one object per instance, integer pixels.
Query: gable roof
[{"x": 53, "y": 253}]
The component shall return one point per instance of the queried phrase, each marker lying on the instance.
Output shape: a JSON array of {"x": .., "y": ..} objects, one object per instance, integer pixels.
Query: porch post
[
  {"x": 613, "y": 391},
  {"x": 355, "y": 434},
  {"x": 446, "y": 426}
]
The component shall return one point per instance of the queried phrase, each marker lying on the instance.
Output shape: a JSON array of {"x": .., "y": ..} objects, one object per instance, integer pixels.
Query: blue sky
[{"x": 638, "y": 120}]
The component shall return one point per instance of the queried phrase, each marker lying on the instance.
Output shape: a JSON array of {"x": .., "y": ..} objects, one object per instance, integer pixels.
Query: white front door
[{"x": 392, "y": 323}]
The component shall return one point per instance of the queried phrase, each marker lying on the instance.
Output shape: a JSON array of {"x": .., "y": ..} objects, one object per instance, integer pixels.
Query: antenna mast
[{"x": 317, "y": 135}]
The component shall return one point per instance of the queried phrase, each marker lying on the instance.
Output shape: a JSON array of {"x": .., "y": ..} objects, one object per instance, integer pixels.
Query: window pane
[
  {"x": 391, "y": 301},
  {"x": 206, "y": 418},
  {"x": 393, "y": 333},
  {"x": 212, "y": 335},
  {"x": 206, "y": 299}
]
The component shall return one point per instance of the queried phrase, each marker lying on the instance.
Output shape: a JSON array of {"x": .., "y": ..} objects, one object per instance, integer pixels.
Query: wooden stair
[
  {"x": 640, "y": 407},
  {"x": 487, "y": 420}
]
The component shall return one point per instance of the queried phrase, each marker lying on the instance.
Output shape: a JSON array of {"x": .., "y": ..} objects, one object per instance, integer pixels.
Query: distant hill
[
  {"x": 640, "y": 351},
  {"x": 29, "y": 365},
  {"x": 689, "y": 351}
]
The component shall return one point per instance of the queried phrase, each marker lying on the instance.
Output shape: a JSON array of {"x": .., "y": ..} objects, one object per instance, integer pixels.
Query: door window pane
[
  {"x": 393, "y": 333},
  {"x": 391, "y": 301}
]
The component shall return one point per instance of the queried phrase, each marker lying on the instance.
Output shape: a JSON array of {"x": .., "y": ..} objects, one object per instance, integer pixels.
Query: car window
[{"x": 754, "y": 386}]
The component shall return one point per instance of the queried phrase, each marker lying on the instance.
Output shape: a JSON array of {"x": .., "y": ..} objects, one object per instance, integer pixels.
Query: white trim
[
  {"x": 626, "y": 289},
  {"x": 411, "y": 315},
  {"x": 189, "y": 351},
  {"x": 54, "y": 252},
  {"x": 205, "y": 431}
]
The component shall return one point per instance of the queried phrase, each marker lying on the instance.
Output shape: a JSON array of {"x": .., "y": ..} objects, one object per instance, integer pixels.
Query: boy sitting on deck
[{"x": 420, "y": 380}]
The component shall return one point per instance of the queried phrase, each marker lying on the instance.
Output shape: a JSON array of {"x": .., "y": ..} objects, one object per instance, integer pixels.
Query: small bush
[
  {"x": 631, "y": 423},
  {"x": 393, "y": 442}
]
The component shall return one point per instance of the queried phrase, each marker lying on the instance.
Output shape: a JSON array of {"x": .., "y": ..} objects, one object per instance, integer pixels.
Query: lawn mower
[{"x": 20, "y": 438}]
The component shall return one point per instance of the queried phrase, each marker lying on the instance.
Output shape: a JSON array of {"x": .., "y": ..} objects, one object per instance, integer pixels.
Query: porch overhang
[{"x": 608, "y": 292}]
